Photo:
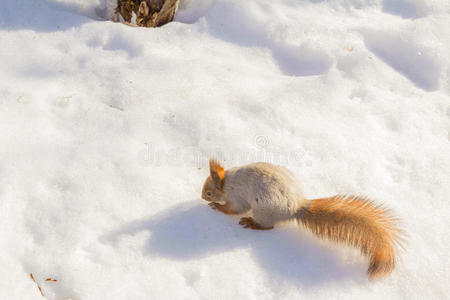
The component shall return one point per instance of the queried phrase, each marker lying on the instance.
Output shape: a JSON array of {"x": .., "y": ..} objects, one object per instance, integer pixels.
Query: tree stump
[{"x": 149, "y": 13}]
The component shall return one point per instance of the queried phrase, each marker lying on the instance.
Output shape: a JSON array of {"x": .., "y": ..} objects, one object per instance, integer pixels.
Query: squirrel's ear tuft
[{"x": 217, "y": 172}]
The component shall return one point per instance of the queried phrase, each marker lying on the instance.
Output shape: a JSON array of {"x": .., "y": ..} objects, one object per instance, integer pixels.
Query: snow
[{"x": 106, "y": 130}]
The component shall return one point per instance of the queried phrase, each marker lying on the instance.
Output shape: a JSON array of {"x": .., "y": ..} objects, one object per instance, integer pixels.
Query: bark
[{"x": 149, "y": 13}]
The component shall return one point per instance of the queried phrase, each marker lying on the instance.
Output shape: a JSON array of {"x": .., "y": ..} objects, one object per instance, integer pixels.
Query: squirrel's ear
[{"x": 217, "y": 173}]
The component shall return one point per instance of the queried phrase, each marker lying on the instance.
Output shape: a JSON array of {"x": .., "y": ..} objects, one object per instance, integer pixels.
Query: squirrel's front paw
[
  {"x": 250, "y": 223},
  {"x": 214, "y": 205}
]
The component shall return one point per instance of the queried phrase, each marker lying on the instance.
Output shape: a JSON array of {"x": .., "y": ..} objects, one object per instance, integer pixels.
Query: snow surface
[{"x": 106, "y": 130}]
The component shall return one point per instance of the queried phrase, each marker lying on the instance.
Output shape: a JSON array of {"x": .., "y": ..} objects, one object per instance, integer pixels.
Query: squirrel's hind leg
[
  {"x": 261, "y": 220},
  {"x": 250, "y": 223}
]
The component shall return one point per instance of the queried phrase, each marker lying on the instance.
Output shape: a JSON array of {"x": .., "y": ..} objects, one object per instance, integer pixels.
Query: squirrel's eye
[{"x": 208, "y": 193}]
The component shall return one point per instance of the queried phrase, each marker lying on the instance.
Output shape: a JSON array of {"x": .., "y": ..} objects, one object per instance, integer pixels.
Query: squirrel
[{"x": 273, "y": 195}]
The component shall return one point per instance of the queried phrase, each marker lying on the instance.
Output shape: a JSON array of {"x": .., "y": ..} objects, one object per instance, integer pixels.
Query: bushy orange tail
[{"x": 357, "y": 222}]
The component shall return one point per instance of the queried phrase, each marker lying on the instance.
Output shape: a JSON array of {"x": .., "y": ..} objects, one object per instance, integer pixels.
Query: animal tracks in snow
[
  {"x": 413, "y": 61},
  {"x": 247, "y": 30},
  {"x": 407, "y": 9}
]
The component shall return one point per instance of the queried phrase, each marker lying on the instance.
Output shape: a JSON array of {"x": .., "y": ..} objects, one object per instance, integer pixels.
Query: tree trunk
[{"x": 149, "y": 13}]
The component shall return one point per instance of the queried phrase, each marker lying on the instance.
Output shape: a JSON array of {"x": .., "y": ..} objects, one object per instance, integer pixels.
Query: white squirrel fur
[{"x": 272, "y": 194}]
